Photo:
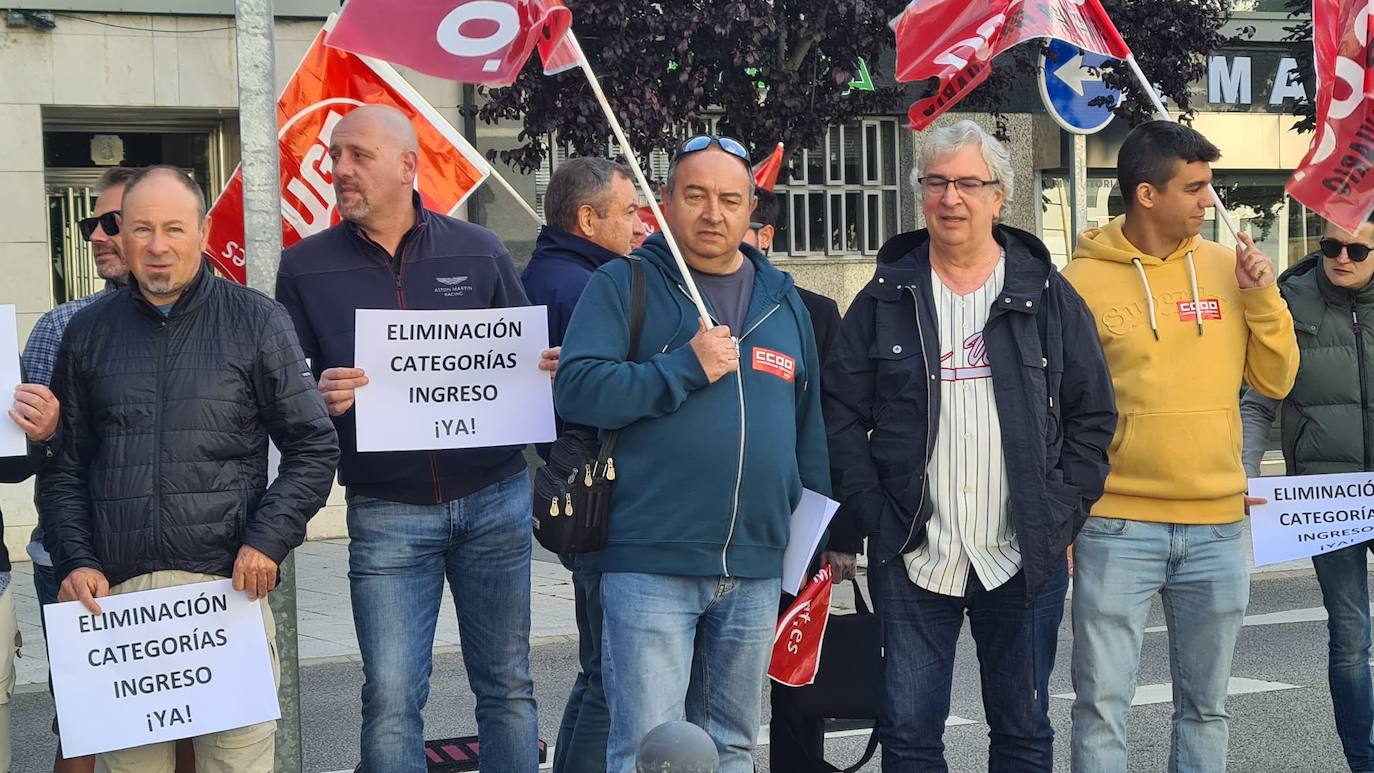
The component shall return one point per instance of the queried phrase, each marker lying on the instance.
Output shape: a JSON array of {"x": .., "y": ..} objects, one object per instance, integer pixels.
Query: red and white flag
[
  {"x": 955, "y": 41},
  {"x": 766, "y": 171},
  {"x": 325, "y": 87},
  {"x": 470, "y": 41},
  {"x": 800, "y": 633},
  {"x": 1334, "y": 179}
]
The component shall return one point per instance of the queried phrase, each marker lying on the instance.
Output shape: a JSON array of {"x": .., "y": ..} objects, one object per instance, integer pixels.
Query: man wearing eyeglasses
[
  {"x": 720, "y": 429},
  {"x": 1326, "y": 429},
  {"x": 100, "y": 230},
  {"x": 969, "y": 409}
]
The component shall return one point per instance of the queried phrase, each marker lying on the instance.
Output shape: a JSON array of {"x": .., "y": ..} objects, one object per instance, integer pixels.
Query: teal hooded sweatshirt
[{"x": 707, "y": 475}]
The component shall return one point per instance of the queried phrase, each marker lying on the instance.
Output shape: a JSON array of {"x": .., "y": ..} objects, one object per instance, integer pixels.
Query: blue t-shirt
[
  {"x": 729, "y": 295},
  {"x": 166, "y": 308}
]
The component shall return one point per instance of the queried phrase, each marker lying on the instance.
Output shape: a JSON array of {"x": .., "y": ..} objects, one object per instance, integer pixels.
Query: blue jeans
[
  {"x": 397, "y": 562},
  {"x": 586, "y": 719},
  {"x": 1016, "y": 643},
  {"x": 1344, "y": 579},
  {"x": 686, "y": 646},
  {"x": 1199, "y": 571}
]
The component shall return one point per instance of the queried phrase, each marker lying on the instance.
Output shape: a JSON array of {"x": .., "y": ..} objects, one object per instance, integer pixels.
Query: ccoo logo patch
[{"x": 775, "y": 363}]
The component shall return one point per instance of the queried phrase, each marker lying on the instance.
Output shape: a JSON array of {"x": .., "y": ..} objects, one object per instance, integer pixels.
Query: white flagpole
[
  {"x": 1163, "y": 114},
  {"x": 495, "y": 175},
  {"x": 639, "y": 178}
]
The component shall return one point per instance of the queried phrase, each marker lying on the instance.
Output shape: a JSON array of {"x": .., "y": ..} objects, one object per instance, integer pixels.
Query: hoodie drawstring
[
  {"x": 1197, "y": 303},
  {"x": 1149, "y": 296}
]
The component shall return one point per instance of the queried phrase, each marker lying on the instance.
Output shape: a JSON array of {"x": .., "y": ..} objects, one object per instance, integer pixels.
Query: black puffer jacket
[{"x": 165, "y": 421}]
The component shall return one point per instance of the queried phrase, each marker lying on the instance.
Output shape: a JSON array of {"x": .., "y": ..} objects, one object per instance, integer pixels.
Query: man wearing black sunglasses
[
  {"x": 1326, "y": 429},
  {"x": 100, "y": 229}
]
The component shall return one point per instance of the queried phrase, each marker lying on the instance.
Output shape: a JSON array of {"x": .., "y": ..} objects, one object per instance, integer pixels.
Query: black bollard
[{"x": 677, "y": 747}]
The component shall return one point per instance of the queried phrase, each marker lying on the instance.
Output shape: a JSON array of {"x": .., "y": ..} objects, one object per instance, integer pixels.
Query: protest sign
[
  {"x": 12, "y": 439},
  {"x": 157, "y": 666},
  {"x": 1308, "y": 515},
  {"x": 452, "y": 379}
]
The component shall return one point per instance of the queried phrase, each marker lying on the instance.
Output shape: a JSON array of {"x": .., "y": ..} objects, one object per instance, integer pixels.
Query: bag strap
[
  {"x": 860, "y": 603},
  {"x": 868, "y": 752},
  {"x": 637, "y": 303}
]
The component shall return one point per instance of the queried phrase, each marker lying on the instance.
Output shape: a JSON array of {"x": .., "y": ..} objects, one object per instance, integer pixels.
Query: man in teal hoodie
[{"x": 720, "y": 429}]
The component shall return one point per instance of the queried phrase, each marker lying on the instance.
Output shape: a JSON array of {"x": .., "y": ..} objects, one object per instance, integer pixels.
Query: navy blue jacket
[
  {"x": 559, "y": 269},
  {"x": 707, "y": 475},
  {"x": 1054, "y": 400},
  {"x": 444, "y": 264}
]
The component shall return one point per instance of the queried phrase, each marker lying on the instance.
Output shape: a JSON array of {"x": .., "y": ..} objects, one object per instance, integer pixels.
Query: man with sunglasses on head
[
  {"x": 720, "y": 429},
  {"x": 100, "y": 230},
  {"x": 1326, "y": 428}
]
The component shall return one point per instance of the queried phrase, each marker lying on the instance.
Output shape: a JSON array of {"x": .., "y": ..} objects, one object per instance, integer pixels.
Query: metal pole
[
  {"x": 257, "y": 72},
  {"x": 475, "y": 210},
  {"x": 1078, "y": 188}
]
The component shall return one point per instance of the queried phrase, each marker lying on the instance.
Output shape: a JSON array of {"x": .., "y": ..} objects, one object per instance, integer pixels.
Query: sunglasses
[
  {"x": 703, "y": 141},
  {"x": 1331, "y": 248},
  {"x": 108, "y": 221}
]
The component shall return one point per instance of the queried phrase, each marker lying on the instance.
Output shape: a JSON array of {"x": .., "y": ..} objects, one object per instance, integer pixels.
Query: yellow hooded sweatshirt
[{"x": 1179, "y": 334}]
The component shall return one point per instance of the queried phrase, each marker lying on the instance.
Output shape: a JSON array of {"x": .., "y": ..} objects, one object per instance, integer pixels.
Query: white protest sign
[
  {"x": 1308, "y": 515},
  {"x": 12, "y": 440},
  {"x": 452, "y": 379},
  {"x": 808, "y": 523},
  {"x": 157, "y": 666}
]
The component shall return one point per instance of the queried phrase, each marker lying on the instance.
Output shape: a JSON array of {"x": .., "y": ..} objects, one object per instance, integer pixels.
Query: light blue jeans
[
  {"x": 1200, "y": 573},
  {"x": 693, "y": 647},
  {"x": 397, "y": 561}
]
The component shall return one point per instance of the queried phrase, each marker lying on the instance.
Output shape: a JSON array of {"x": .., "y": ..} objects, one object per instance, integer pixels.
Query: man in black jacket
[
  {"x": 418, "y": 517},
  {"x": 170, "y": 389},
  {"x": 969, "y": 410}
]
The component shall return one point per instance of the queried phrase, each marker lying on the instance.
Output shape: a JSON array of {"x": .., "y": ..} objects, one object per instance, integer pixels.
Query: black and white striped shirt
[{"x": 967, "y": 474}]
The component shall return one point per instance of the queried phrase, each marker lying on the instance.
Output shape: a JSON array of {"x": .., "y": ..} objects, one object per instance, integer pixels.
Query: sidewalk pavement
[{"x": 326, "y": 614}]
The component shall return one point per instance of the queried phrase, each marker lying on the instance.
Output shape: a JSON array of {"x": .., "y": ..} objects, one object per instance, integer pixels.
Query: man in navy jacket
[
  {"x": 592, "y": 210},
  {"x": 720, "y": 429},
  {"x": 417, "y": 517}
]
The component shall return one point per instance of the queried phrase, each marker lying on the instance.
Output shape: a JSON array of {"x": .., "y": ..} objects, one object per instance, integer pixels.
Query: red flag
[
  {"x": 558, "y": 53},
  {"x": 472, "y": 41},
  {"x": 326, "y": 86},
  {"x": 1334, "y": 179},
  {"x": 766, "y": 171},
  {"x": 800, "y": 633},
  {"x": 955, "y": 41},
  {"x": 651, "y": 226}
]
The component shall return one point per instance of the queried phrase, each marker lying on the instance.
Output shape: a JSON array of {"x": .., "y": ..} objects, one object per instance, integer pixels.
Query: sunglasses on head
[
  {"x": 108, "y": 221},
  {"x": 1331, "y": 248},
  {"x": 703, "y": 141}
]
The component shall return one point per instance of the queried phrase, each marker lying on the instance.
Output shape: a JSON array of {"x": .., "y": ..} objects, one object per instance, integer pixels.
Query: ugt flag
[
  {"x": 800, "y": 633},
  {"x": 470, "y": 41},
  {"x": 325, "y": 87},
  {"x": 766, "y": 171},
  {"x": 955, "y": 41},
  {"x": 1334, "y": 179}
]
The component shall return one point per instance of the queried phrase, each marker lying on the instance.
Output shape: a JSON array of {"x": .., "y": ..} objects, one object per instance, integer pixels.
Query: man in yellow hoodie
[{"x": 1182, "y": 321}]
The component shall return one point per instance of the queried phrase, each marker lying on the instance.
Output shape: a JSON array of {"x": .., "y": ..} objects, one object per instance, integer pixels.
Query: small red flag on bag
[{"x": 800, "y": 633}]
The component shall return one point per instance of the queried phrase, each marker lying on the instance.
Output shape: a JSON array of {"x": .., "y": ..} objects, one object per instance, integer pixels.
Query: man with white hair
[{"x": 996, "y": 411}]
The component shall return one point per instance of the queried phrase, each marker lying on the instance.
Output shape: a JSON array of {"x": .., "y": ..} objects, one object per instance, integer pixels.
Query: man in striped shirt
[{"x": 969, "y": 409}]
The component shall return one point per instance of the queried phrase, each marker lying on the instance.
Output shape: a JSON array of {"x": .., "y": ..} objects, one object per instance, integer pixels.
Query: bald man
[{"x": 416, "y": 518}]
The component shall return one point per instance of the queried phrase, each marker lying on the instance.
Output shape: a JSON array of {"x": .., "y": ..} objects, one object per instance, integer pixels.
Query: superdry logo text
[
  {"x": 776, "y": 363},
  {"x": 1188, "y": 310}
]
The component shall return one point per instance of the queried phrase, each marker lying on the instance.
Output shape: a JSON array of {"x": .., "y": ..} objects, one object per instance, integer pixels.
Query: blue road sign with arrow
[{"x": 1070, "y": 88}]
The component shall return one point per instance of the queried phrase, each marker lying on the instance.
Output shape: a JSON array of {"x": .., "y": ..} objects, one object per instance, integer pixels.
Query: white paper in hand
[
  {"x": 12, "y": 440},
  {"x": 809, "y": 522}
]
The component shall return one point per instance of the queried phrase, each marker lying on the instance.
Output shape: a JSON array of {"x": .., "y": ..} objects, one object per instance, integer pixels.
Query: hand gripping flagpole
[
  {"x": 1163, "y": 114},
  {"x": 639, "y": 178}
]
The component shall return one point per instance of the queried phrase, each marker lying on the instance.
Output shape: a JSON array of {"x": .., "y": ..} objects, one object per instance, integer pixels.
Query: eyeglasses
[
  {"x": 108, "y": 221},
  {"x": 1331, "y": 248},
  {"x": 935, "y": 185},
  {"x": 703, "y": 141},
  {"x": 757, "y": 226}
]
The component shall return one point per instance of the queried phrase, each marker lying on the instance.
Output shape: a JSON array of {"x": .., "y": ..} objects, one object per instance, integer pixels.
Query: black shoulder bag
[{"x": 572, "y": 493}]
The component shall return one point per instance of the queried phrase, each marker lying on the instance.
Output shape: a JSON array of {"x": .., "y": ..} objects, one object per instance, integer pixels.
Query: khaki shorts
[{"x": 245, "y": 750}]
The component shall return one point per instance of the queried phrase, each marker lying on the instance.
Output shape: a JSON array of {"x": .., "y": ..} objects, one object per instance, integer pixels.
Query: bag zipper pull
[
  {"x": 610, "y": 468},
  {"x": 569, "y": 507},
  {"x": 587, "y": 481},
  {"x": 553, "y": 508}
]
